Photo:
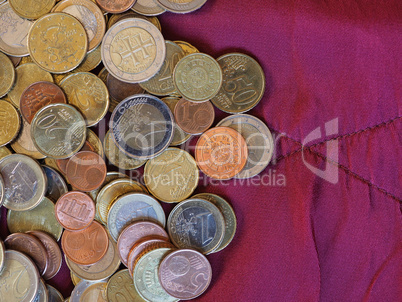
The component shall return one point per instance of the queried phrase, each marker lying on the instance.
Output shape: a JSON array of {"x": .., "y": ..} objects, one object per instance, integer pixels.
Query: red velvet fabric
[{"x": 301, "y": 237}]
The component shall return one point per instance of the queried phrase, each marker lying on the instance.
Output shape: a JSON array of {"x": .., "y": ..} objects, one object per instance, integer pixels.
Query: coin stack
[{"x": 55, "y": 181}]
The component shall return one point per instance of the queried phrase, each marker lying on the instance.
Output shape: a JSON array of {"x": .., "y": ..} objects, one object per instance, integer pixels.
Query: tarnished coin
[
  {"x": 90, "y": 16},
  {"x": 180, "y": 268},
  {"x": 197, "y": 224},
  {"x": 181, "y": 7},
  {"x": 27, "y": 74},
  {"x": 10, "y": 122},
  {"x": 115, "y": 7},
  {"x": 19, "y": 278},
  {"x": 58, "y": 130},
  {"x": 24, "y": 144},
  {"x": 89, "y": 94},
  {"x": 194, "y": 118},
  {"x": 86, "y": 291},
  {"x": 243, "y": 83},
  {"x": 31, "y": 9},
  {"x": 40, "y": 218},
  {"x": 37, "y": 96},
  {"x": 14, "y": 31},
  {"x": 135, "y": 232},
  {"x": 7, "y": 74},
  {"x": 197, "y": 77},
  {"x": 120, "y": 90},
  {"x": 111, "y": 191},
  {"x": 42, "y": 295},
  {"x": 119, "y": 158},
  {"x": 172, "y": 176},
  {"x": 86, "y": 171},
  {"x": 54, "y": 257},
  {"x": 2, "y": 251},
  {"x": 30, "y": 246},
  {"x": 259, "y": 141},
  {"x": 148, "y": 8},
  {"x": 133, "y": 207},
  {"x": 54, "y": 294},
  {"x": 24, "y": 182},
  {"x": 75, "y": 210},
  {"x": 65, "y": 39},
  {"x": 147, "y": 269},
  {"x": 221, "y": 152},
  {"x": 162, "y": 82},
  {"x": 186, "y": 47},
  {"x": 102, "y": 269},
  {"x": 133, "y": 50},
  {"x": 121, "y": 288},
  {"x": 179, "y": 136},
  {"x": 56, "y": 186},
  {"x": 228, "y": 215},
  {"x": 85, "y": 246},
  {"x": 142, "y": 126}
]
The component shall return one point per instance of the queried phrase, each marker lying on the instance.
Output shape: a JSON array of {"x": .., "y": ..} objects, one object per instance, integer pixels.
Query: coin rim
[{"x": 12, "y": 78}]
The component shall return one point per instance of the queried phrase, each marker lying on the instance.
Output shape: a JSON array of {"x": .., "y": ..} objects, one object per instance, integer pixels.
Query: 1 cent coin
[
  {"x": 194, "y": 118},
  {"x": 75, "y": 210}
]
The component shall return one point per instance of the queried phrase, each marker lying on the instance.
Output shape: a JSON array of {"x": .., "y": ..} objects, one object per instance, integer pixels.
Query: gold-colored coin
[
  {"x": 65, "y": 39},
  {"x": 110, "y": 192},
  {"x": 243, "y": 83},
  {"x": 40, "y": 218},
  {"x": 24, "y": 144},
  {"x": 91, "y": 61},
  {"x": 2, "y": 250},
  {"x": 186, "y": 47},
  {"x": 121, "y": 288},
  {"x": 172, "y": 176},
  {"x": 131, "y": 14},
  {"x": 31, "y": 9},
  {"x": 27, "y": 74},
  {"x": 95, "y": 142},
  {"x": 14, "y": 31},
  {"x": 109, "y": 177},
  {"x": 51, "y": 162},
  {"x": 179, "y": 136},
  {"x": 117, "y": 157},
  {"x": 197, "y": 77},
  {"x": 10, "y": 122},
  {"x": 74, "y": 278},
  {"x": 90, "y": 16},
  {"x": 4, "y": 151},
  {"x": 89, "y": 94},
  {"x": 26, "y": 59},
  {"x": 7, "y": 74}
]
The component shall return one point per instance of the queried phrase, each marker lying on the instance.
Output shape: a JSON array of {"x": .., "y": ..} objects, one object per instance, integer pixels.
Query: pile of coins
[{"x": 55, "y": 181}]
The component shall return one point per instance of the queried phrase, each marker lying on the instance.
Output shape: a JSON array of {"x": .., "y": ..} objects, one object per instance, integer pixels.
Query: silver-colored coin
[
  {"x": 133, "y": 207},
  {"x": 56, "y": 186},
  {"x": 13, "y": 32},
  {"x": 58, "y": 130},
  {"x": 1, "y": 190},
  {"x": 19, "y": 279},
  {"x": 102, "y": 269},
  {"x": 146, "y": 279},
  {"x": 86, "y": 291},
  {"x": 133, "y": 50},
  {"x": 24, "y": 182},
  {"x": 148, "y": 8},
  {"x": 181, "y": 7},
  {"x": 54, "y": 294},
  {"x": 259, "y": 141},
  {"x": 2, "y": 251},
  {"x": 228, "y": 214},
  {"x": 196, "y": 224},
  {"x": 142, "y": 126},
  {"x": 43, "y": 293}
]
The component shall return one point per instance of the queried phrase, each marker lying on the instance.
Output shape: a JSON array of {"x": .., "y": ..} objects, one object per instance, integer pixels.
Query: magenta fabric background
[{"x": 310, "y": 240}]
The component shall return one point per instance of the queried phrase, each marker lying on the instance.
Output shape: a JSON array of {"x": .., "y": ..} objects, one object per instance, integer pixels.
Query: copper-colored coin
[
  {"x": 119, "y": 90},
  {"x": 75, "y": 210},
  {"x": 221, "y": 152},
  {"x": 139, "y": 248},
  {"x": 194, "y": 118},
  {"x": 37, "y": 96},
  {"x": 30, "y": 246},
  {"x": 86, "y": 246},
  {"x": 135, "y": 232},
  {"x": 86, "y": 171},
  {"x": 54, "y": 257},
  {"x": 115, "y": 7},
  {"x": 180, "y": 269},
  {"x": 62, "y": 163}
]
